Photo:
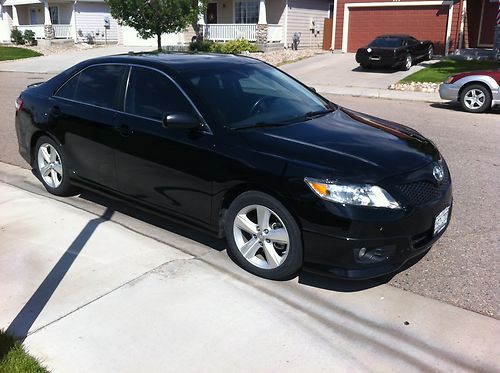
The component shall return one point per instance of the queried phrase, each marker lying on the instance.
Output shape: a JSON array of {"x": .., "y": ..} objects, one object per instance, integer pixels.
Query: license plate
[{"x": 441, "y": 220}]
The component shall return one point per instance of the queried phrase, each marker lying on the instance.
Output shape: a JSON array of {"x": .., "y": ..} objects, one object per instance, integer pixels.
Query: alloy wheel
[
  {"x": 50, "y": 165},
  {"x": 474, "y": 99},
  {"x": 261, "y": 236},
  {"x": 408, "y": 62},
  {"x": 430, "y": 53}
]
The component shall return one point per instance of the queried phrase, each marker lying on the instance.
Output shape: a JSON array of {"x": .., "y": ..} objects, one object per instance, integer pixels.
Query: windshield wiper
[
  {"x": 319, "y": 113},
  {"x": 262, "y": 124}
]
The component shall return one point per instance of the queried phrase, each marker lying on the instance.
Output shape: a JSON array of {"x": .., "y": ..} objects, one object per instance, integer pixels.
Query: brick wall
[{"x": 423, "y": 22}]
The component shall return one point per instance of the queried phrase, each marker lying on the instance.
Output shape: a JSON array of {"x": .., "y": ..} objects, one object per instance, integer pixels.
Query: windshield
[
  {"x": 255, "y": 94},
  {"x": 387, "y": 42}
]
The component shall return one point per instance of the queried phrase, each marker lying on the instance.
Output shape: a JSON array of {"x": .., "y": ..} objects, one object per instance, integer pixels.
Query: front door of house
[
  {"x": 33, "y": 20},
  {"x": 212, "y": 13}
]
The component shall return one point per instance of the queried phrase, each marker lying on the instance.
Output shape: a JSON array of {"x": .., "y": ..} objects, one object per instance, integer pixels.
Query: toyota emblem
[{"x": 438, "y": 173}]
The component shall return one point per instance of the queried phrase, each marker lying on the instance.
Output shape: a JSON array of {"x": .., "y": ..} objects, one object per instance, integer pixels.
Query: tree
[{"x": 155, "y": 17}]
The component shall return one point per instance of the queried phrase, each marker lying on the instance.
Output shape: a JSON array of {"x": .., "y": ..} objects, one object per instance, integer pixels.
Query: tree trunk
[{"x": 159, "y": 41}]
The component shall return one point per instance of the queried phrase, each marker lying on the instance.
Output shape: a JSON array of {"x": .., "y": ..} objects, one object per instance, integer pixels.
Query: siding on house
[
  {"x": 90, "y": 19},
  {"x": 300, "y": 15}
]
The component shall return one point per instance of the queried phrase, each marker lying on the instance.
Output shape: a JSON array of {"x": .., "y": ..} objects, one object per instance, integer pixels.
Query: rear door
[
  {"x": 169, "y": 169},
  {"x": 84, "y": 113}
]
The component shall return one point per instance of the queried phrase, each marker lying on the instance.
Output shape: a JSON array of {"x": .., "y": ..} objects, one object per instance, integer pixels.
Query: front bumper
[
  {"x": 334, "y": 235},
  {"x": 449, "y": 91}
]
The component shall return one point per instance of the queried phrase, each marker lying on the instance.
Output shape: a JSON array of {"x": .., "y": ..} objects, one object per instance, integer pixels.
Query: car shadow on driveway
[
  {"x": 455, "y": 106},
  {"x": 360, "y": 69},
  {"x": 193, "y": 233},
  {"x": 25, "y": 319}
]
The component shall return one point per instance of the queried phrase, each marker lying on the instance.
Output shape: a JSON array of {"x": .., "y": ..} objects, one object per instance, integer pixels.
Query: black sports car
[{"x": 394, "y": 51}]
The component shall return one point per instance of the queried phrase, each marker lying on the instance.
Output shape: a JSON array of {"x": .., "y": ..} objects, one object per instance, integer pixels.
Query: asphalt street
[{"x": 462, "y": 269}]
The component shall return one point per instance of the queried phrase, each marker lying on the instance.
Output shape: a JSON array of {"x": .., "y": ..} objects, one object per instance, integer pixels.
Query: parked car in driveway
[
  {"x": 397, "y": 51},
  {"x": 477, "y": 91},
  {"x": 238, "y": 148}
]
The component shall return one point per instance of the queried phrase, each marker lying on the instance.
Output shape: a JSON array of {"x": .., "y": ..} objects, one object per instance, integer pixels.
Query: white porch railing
[
  {"x": 37, "y": 29},
  {"x": 225, "y": 32},
  {"x": 63, "y": 31},
  {"x": 274, "y": 33},
  {"x": 60, "y": 31}
]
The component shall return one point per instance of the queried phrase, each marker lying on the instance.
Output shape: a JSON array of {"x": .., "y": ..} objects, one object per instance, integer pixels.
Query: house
[
  {"x": 58, "y": 19},
  {"x": 270, "y": 23},
  {"x": 450, "y": 24}
]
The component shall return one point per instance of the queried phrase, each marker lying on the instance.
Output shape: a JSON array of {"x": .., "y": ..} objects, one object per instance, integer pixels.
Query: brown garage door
[{"x": 422, "y": 22}]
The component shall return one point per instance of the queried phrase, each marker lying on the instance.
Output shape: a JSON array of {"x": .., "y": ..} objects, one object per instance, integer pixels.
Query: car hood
[
  {"x": 495, "y": 74},
  {"x": 347, "y": 144}
]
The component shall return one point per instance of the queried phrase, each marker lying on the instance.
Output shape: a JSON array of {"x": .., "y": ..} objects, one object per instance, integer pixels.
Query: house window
[
  {"x": 54, "y": 14},
  {"x": 246, "y": 11}
]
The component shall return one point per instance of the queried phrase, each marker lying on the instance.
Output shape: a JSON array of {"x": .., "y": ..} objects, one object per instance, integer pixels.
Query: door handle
[
  {"x": 55, "y": 112},
  {"x": 123, "y": 130}
]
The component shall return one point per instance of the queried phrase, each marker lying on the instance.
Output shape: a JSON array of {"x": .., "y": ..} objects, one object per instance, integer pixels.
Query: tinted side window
[
  {"x": 98, "y": 85},
  {"x": 150, "y": 94}
]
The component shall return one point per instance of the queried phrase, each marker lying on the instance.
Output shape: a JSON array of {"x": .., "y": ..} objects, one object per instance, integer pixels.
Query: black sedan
[
  {"x": 236, "y": 147},
  {"x": 394, "y": 51}
]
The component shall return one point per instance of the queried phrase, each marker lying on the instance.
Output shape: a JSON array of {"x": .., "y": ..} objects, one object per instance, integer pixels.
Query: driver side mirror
[{"x": 181, "y": 121}]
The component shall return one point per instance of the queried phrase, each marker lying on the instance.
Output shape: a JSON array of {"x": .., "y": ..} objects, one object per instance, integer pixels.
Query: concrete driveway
[
  {"x": 339, "y": 73},
  {"x": 96, "y": 290}
]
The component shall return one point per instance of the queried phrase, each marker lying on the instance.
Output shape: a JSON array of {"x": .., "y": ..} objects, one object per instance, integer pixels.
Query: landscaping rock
[{"x": 426, "y": 87}]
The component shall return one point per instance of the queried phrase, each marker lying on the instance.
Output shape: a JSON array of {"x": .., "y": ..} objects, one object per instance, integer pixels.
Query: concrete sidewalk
[
  {"x": 56, "y": 63},
  {"x": 96, "y": 295}
]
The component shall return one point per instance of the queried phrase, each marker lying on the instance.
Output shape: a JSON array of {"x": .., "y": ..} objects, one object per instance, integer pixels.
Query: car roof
[
  {"x": 177, "y": 61},
  {"x": 402, "y": 36}
]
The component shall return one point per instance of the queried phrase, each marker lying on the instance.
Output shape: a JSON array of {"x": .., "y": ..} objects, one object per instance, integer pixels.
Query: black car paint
[
  {"x": 393, "y": 57},
  {"x": 193, "y": 176}
]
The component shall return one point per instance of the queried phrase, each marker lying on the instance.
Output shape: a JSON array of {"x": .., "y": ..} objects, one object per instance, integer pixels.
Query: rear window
[
  {"x": 97, "y": 85},
  {"x": 387, "y": 42}
]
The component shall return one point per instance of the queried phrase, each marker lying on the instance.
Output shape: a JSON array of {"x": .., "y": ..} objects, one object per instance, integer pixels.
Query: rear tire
[
  {"x": 49, "y": 163},
  {"x": 475, "y": 98},
  {"x": 408, "y": 62},
  {"x": 263, "y": 237},
  {"x": 430, "y": 53}
]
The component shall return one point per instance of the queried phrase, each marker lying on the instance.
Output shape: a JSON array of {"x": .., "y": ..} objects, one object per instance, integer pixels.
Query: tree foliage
[{"x": 155, "y": 17}]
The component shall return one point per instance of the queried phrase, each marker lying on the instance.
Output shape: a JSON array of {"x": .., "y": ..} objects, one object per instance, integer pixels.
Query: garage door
[{"x": 423, "y": 22}]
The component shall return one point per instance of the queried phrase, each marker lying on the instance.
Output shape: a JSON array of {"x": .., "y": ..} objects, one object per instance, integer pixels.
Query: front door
[
  {"x": 212, "y": 13},
  {"x": 167, "y": 169},
  {"x": 33, "y": 19}
]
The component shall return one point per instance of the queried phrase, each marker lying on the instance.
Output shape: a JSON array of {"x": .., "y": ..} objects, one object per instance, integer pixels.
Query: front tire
[
  {"x": 475, "y": 98},
  {"x": 51, "y": 167},
  {"x": 263, "y": 237}
]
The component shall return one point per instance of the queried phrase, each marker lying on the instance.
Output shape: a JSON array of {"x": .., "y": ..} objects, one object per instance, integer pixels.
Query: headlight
[
  {"x": 448, "y": 80},
  {"x": 352, "y": 194}
]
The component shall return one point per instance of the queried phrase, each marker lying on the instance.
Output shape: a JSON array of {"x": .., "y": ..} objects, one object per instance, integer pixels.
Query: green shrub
[
  {"x": 16, "y": 36},
  {"x": 29, "y": 37},
  {"x": 231, "y": 47}
]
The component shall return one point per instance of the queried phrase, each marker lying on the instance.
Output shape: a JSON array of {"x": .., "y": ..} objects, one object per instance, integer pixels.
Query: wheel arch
[
  {"x": 34, "y": 138},
  {"x": 232, "y": 193},
  {"x": 474, "y": 82}
]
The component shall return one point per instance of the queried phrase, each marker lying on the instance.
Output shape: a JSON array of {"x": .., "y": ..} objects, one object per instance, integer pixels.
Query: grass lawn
[
  {"x": 15, "y": 53},
  {"x": 14, "y": 359},
  {"x": 439, "y": 71}
]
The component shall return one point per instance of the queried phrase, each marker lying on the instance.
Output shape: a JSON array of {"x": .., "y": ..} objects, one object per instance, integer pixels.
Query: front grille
[{"x": 421, "y": 192}]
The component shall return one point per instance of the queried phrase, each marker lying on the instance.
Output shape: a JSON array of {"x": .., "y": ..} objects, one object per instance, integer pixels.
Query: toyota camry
[{"x": 235, "y": 147}]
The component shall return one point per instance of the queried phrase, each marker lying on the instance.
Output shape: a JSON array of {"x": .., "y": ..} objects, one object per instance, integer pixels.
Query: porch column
[
  {"x": 201, "y": 15},
  {"x": 262, "y": 13},
  {"x": 15, "y": 17},
  {"x": 49, "y": 29},
  {"x": 496, "y": 41}
]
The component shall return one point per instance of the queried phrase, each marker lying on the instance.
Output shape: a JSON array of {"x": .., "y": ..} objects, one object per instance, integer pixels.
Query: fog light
[{"x": 362, "y": 252}]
